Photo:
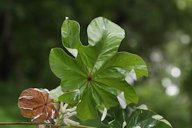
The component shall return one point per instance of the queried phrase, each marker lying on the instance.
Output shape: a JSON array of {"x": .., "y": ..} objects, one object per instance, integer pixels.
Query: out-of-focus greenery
[{"x": 159, "y": 31}]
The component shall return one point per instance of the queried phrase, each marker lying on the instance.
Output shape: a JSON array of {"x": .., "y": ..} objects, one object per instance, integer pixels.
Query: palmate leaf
[
  {"x": 139, "y": 117},
  {"x": 96, "y": 74},
  {"x": 142, "y": 118}
]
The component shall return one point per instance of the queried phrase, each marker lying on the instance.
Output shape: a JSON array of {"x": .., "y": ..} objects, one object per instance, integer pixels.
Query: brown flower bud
[{"x": 36, "y": 104}]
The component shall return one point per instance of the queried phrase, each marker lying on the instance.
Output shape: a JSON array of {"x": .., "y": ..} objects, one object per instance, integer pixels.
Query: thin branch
[
  {"x": 23, "y": 123},
  {"x": 32, "y": 123},
  {"x": 80, "y": 126}
]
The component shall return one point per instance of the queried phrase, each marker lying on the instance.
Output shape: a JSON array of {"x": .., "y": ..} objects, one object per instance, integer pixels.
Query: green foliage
[
  {"x": 149, "y": 26},
  {"x": 139, "y": 117},
  {"x": 97, "y": 77},
  {"x": 144, "y": 119}
]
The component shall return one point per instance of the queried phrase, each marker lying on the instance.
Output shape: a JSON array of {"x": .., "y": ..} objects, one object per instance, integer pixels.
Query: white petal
[
  {"x": 71, "y": 109},
  {"x": 74, "y": 52},
  {"x": 122, "y": 100},
  {"x": 104, "y": 114},
  {"x": 136, "y": 127},
  {"x": 37, "y": 116},
  {"x": 160, "y": 118},
  {"x": 143, "y": 107},
  {"x": 63, "y": 108},
  {"x": 124, "y": 124},
  {"x": 26, "y": 108},
  {"x": 131, "y": 77},
  {"x": 165, "y": 121},
  {"x": 157, "y": 117},
  {"x": 46, "y": 90},
  {"x": 26, "y": 97},
  {"x": 42, "y": 126},
  {"x": 52, "y": 114},
  {"x": 41, "y": 90},
  {"x": 69, "y": 122},
  {"x": 69, "y": 114}
]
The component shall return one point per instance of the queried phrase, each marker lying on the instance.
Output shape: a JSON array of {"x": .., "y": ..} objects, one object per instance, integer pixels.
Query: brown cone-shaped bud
[{"x": 36, "y": 104}]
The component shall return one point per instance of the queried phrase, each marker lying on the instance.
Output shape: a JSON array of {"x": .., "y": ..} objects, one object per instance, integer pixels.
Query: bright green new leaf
[
  {"x": 70, "y": 36},
  {"x": 97, "y": 75}
]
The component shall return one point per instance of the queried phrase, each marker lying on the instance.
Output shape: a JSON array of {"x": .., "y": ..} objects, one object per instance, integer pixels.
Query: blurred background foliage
[{"x": 159, "y": 31}]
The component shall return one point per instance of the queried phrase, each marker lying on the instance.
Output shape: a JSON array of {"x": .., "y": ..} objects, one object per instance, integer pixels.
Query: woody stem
[{"x": 22, "y": 123}]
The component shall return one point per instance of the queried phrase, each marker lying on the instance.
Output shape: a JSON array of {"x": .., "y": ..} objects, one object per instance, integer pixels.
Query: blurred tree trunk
[{"x": 6, "y": 46}]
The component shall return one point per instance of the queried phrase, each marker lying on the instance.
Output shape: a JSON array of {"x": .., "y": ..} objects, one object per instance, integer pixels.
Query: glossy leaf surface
[
  {"x": 95, "y": 74},
  {"x": 141, "y": 118}
]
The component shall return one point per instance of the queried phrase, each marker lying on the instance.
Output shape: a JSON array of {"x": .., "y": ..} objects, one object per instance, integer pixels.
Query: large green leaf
[
  {"x": 86, "y": 109},
  {"x": 118, "y": 119},
  {"x": 139, "y": 117},
  {"x": 105, "y": 95},
  {"x": 128, "y": 61},
  {"x": 106, "y": 37},
  {"x": 142, "y": 118},
  {"x": 70, "y": 31},
  {"x": 61, "y": 64},
  {"x": 111, "y": 77},
  {"x": 97, "y": 71},
  {"x": 64, "y": 67}
]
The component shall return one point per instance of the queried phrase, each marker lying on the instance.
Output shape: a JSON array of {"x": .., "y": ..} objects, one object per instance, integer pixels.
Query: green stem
[
  {"x": 22, "y": 123},
  {"x": 80, "y": 126},
  {"x": 32, "y": 123}
]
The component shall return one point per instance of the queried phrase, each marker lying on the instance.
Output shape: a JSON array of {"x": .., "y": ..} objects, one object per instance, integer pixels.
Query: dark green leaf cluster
[{"x": 139, "y": 117}]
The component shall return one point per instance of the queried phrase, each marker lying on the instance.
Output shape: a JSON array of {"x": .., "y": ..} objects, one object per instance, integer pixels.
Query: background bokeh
[{"x": 157, "y": 30}]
